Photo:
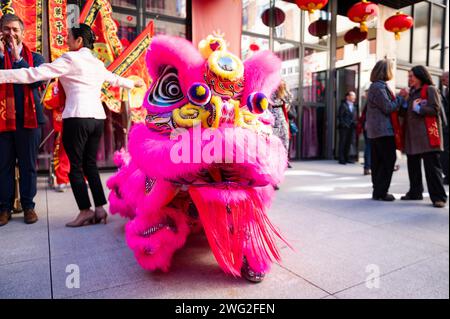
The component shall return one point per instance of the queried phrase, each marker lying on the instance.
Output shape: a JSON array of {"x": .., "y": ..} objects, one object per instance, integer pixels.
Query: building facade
[{"x": 319, "y": 71}]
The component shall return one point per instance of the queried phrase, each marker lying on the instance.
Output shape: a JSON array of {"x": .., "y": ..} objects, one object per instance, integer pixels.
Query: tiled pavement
[{"x": 346, "y": 246}]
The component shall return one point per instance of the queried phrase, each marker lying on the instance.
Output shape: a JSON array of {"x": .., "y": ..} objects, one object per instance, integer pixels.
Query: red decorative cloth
[
  {"x": 397, "y": 126},
  {"x": 431, "y": 122},
  {"x": 56, "y": 101},
  {"x": 7, "y": 101},
  {"x": 61, "y": 162}
]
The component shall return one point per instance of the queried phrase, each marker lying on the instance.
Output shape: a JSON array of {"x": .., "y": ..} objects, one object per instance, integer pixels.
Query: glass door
[
  {"x": 347, "y": 79},
  {"x": 314, "y": 101}
]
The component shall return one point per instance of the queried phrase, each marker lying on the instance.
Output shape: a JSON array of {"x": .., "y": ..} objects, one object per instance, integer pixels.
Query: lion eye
[{"x": 166, "y": 90}]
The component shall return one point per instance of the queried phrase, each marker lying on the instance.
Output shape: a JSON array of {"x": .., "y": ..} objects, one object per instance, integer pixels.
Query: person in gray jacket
[{"x": 381, "y": 103}]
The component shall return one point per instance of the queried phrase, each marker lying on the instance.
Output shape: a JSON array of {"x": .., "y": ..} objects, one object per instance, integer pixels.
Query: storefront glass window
[
  {"x": 251, "y": 17},
  {"x": 127, "y": 26},
  {"x": 169, "y": 28},
  {"x": 315, "y": 65},
  {"x": 404, "y": 54},
  {"x": 290, "y": 29},
  {"x": 325, "y": 26},
  {"x": 250, "y": 44},
  {"x": 129, "y": 4},
  {"x": 437, "y": 28},
  {"x": 174, "y": 8},
  {"x": 421, "y": 17},
  {"x": 314, "y": 91},
  {"x": 446, "y": 55},
  {"x": 289, "y": 54},
  {"x": 348, "y": 53}
]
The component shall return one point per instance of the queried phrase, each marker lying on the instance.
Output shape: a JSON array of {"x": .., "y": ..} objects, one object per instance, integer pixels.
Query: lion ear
[
  {"x": 177, "y": 53},
  {"x": 262, "y": 74},
  {"x": 174, "y": 64}
]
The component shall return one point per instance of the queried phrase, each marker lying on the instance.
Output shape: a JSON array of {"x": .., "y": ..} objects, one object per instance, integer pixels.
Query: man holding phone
[{"x": 21, "y": 116}]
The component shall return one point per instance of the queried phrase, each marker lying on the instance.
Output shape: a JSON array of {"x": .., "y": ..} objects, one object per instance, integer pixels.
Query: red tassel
[{"x": 236, "y": 225}]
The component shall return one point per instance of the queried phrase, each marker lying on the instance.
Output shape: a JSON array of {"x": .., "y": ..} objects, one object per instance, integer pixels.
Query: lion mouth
[
  {"x": 223, "y": 176},
  {"x": 167, "y": 223}
]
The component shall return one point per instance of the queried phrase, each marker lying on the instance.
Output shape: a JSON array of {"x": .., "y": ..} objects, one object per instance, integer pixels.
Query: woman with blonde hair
[
  {"x": 381, "y": 104},
  {"x": 282, "y": 100}
]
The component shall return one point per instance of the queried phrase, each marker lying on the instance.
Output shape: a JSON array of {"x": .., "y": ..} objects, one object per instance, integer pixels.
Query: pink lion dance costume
[{"x": 205, "y": 158}]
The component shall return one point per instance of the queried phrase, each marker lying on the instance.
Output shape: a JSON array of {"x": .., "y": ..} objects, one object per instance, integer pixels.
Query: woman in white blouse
[{"x": 82, "y": 77}]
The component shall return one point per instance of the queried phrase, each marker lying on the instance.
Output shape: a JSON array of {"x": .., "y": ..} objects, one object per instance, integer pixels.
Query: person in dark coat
[
  {"x": 418, "y": 143},
  {"x": 381, "y": 103},
  {"x": 347, "y": 119},
  {"x": 20, "y": 131}
]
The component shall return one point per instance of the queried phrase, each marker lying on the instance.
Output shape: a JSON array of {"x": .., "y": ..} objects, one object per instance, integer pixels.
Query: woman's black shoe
[
  {"x": 410, "y": 197},
  {"x": 386, "y": 198}
]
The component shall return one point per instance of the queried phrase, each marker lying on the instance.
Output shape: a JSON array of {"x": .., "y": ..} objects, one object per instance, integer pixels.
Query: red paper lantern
[
  {"x": 254, "y": 47},
  {"x": 319, "y": 28},
  {"x": 130, "y": 18},
  {"x": 362, "y": 12},
  {"x": 355, "y": 36},
  {"x": 278, "y": 17},
  {"x": 311, "y": 5},
  {"x": 399, "y": 23}
]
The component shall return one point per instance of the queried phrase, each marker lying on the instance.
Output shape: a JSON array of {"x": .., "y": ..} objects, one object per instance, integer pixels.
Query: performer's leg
[
  {"x": 7, "y": 171},
  {"x": 433, "y": 174},
  {"x": 75, "y": 136},
  {"x": 61, "y": 162},
  {"x": 90, "y": 164}
]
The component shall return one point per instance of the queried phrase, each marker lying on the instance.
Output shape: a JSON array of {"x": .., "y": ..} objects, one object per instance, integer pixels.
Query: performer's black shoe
[
  {"x": 386, "y": 198},
  {"x": 250, "y": 275},
  {"x": 408, "y": 196}
]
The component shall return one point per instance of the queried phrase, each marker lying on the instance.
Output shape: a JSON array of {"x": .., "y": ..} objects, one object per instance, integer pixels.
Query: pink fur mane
[
  {"x": 230, "y": 198},
  {"x": 262, "y": 74}
]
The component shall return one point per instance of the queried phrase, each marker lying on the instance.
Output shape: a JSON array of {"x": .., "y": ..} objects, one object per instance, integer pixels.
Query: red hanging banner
[
  {"x": 30, "y": 11},
  {"x": 57, "y": 16}
]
